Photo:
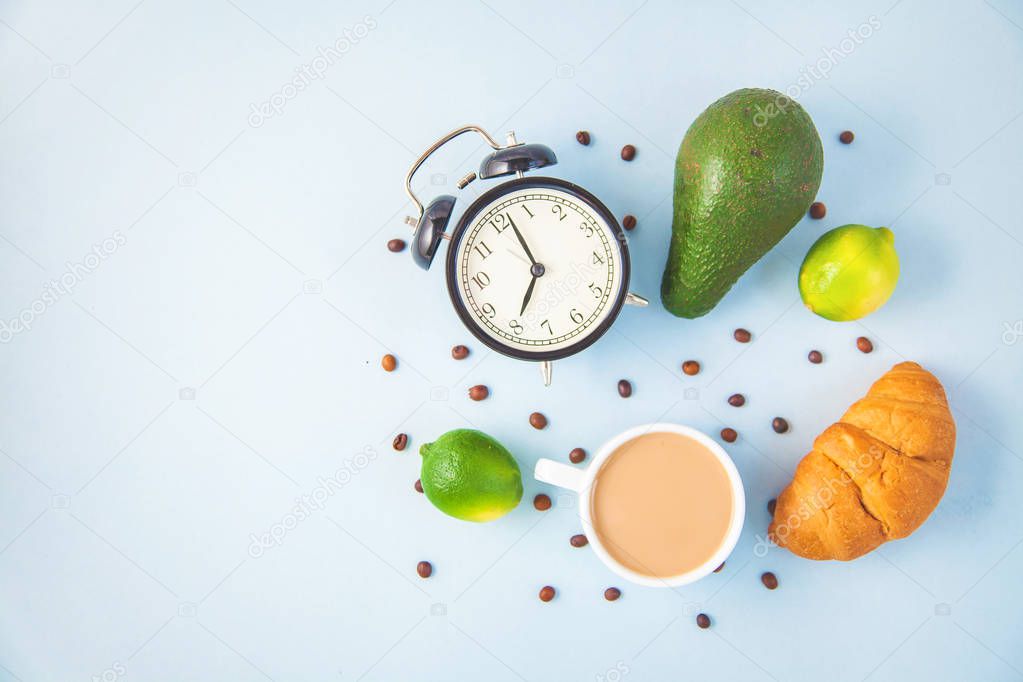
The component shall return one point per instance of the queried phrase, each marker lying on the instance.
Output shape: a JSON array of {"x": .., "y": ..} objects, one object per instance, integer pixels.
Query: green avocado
[{"x": 746, "y": 172}]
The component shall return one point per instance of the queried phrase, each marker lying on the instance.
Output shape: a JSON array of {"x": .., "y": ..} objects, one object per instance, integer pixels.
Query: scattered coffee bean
[
  {"x": 396, "y": 245},
  {"x": 612, "y": 594},
  {"x": 628, "y": 152},
  {"x": 460, "y": 352},
  {"x": 537, "y": 421},
  {"x": 742, "y": 335},
  {"x": 729, "y": 435},
  {"x": 424, "y": 569},
  {"x": 864, "y": 344},
  {"x": 578, "y": 540},
  {"x": 389, "y": 362},
  {"x": 718, "y": 569},
  {"x": 818, "y": 210},
  {"x": 737, "y": 400},
  {"x": 815, "y": 357},
  {"x": 542, "y": 502},
  {"x": 546, "y": 593},
  {"x": 479, "y": 392},
  {"x": 703, "y": 620},
  {"x": 577, "y": 455},
  {"x": 846, "y": 137},
  {"x": 690, "y": 368},
  {"x": 400, "y": 442},
  {"x": 418, "y": 485},
  {"x": 779, "y": 425},
  {"x": 624, "y": 388},
  {"x": 770, "y": 580},
  {"x": 772, "y": 504},
  {"x": 629, "y": 222},
  {"x": 583, "y": 137}
]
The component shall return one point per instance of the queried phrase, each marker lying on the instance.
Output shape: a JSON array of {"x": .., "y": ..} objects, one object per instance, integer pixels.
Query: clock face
[{"x": 539, "y": 271}]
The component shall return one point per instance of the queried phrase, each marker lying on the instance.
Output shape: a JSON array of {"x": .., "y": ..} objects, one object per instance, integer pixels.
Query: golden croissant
[{"x": 875, "y": 475}]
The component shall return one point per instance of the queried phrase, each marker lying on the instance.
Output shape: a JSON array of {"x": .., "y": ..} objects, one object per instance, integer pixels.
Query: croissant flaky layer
[{"x": 875, "y": 475}]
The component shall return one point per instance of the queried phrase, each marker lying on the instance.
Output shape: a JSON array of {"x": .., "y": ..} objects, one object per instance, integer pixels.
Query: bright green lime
[
  {"x": 849, "y": 272},
  {"x": 469, "y": 475}
]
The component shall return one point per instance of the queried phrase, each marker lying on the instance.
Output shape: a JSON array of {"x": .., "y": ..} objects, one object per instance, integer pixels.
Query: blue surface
[{"x": 221, "y": 360}]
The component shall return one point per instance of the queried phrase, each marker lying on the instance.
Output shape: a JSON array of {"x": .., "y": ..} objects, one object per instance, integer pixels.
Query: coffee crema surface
[{"x": 661, "y": 504}]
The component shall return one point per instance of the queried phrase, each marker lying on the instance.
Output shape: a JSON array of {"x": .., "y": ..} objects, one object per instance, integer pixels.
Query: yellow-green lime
[
  {"x": 849, "y": 272},
  {"x": 469, "y": 475}
]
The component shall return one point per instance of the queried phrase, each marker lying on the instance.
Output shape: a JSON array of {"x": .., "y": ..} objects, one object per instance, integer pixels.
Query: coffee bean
[
  {"x": 718, "y": 569},
  {"x": 864, "y": 344},
  {"x": 578, "y": 540},
  {"x": 546, "y": 593},
  {"x": 628, "y": 152},
  {"x": 690, "y": 368},
  {"x": 742, "y": 335},
  {"x": 703, "y": 620},
  {"x": 818, "y": 210},
  {"x": 537, "y": 421},
  {"x": 396, "y": 245},
  {"x": 846, "y": 137},
  {"x": 418, "y": 485},
  {"x": 424, "y": 569},
  {"x": 577, "y": 455},
  {"x": 729, "y": 435},
  {"x": 770, "y": 580},
  {"x": 624, "y": 388},
  {"x": 779, "y": 425},
  {"x": 542, "y": 502},
  {"x": 400, "y": 442},
  {"x": 479, "y": 392},
  {"x": 583, "y": 137},
  {"x": 459, "y": 352},
  {"x": 612, "y": 594},
  {"x": 629, "y": 222},
  {"x": 736, "y": 400},
  {"x": 772, "y": 504},
  {"x": 815, "y": 357},
  {"x": 389, "y": 362}
]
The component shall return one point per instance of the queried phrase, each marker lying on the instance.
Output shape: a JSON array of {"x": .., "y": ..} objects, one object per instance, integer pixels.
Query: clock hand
[
  {"x": 517, "y": 255},
  {"x": 522, "y": 241},
  {"x": 529, "y": 295}
]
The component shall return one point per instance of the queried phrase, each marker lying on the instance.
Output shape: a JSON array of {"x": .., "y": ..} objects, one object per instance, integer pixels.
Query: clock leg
[
  {"x": 545, "y": 371},
  {"x": 636, "y": 300}
]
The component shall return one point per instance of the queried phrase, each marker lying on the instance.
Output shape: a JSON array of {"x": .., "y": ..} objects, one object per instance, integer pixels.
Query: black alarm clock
[{"x": 537, "y": 267}]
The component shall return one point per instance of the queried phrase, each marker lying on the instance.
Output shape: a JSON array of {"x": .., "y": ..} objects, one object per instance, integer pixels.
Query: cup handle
[{"x": 556, "y": 473}]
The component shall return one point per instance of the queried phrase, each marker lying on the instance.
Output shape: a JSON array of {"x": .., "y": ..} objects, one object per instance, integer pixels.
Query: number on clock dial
[{"x": 581, "y": 269}]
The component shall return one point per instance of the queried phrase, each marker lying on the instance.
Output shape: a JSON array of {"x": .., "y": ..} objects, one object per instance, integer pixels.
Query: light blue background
[{"x": 206, "y": 373}]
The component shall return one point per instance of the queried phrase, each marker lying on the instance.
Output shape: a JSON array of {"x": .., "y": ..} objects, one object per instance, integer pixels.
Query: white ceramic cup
[{"x": 581, "y": 481}]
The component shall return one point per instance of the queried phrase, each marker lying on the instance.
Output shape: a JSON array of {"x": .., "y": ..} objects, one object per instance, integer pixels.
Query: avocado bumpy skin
[{"x": 746, "y": 172}]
